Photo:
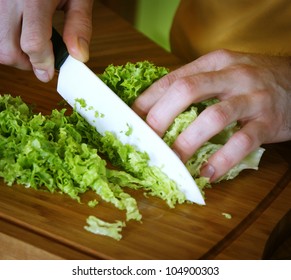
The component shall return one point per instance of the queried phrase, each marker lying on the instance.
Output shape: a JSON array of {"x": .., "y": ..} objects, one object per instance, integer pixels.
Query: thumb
[{"x": 78, "y": 28}]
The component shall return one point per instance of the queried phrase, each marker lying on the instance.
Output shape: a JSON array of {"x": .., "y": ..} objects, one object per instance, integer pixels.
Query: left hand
[{"x": 253, "y": 89}]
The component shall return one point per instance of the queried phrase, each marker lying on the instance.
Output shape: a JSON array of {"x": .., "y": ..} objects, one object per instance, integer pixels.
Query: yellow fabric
[{"x": 256, "y": 26}]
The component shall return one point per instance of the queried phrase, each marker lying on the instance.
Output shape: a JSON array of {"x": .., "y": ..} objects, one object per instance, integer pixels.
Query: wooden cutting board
[{"x": 41, "y": 225}]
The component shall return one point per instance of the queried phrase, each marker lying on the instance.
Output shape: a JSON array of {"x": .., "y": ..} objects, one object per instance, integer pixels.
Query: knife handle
[{"x": 60, "y": 50}]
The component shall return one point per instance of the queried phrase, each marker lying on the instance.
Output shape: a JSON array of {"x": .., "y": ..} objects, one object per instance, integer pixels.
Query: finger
[
  {"x": 78, "y": 28},
  {"x": 155, "y": 92},
  {"x": 186, "y": 91},
  {"x": 211, "y": 62},
  {"x": 209, "y": 123},
  {"x": 36, "y": 37},
  {"x": 10, "y": 51},
  {"x": 241, "y": 144}
]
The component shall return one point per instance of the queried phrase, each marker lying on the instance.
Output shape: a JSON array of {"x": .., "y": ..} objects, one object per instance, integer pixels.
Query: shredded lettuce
[
  {"x": 135, "y": 163},
  {"x": 98, "y": 226},
  {"x": 53, "y": 152},
  {"x": 226, "y": 215},
  {"x": 61, "y": 152},
  {"x": 180, "y": 123},
  {"x": 130, "y": 80}
]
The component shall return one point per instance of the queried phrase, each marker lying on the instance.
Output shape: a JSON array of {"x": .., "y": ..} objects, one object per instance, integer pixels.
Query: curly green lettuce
[
  {"x": 61, "y": 152},
  {"x": 130, "y": 80},
  {"x": 53, "y": 153}
]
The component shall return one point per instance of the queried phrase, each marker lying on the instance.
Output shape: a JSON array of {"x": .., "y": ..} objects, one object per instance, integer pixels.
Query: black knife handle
[{"x": 60, "y": 50}]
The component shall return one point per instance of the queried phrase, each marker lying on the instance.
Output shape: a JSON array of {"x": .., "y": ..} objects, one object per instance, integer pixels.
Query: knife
[{"x": 77, "y": 82}]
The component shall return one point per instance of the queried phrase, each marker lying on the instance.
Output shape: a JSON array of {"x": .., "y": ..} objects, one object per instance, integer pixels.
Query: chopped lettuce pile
[{"x": 61, "y": 152}]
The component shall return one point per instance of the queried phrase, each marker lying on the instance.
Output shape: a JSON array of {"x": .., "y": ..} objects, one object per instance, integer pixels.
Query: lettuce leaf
[
  {"x": 135, "y": 163},
  {"x": 51, "y": 152},
  {"x": 202, "y": 155},
  {"x": 131, "y": 79},
  {"x": 98, "y": 226},
  {"x": 61, "y": 152}
]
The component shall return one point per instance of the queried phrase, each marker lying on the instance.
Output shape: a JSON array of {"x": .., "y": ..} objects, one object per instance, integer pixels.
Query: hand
[
  {"x": 26, "y": 29},
  {"x": 253, "y": 89}
]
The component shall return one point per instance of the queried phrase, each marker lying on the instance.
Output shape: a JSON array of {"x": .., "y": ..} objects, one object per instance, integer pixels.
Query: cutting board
[{"x": 41, "y": 225}]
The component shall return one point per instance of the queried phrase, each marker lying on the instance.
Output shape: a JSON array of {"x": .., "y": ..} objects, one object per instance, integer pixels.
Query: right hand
[
  {"x": 254, "y": 90},
  {"x": 26, "y": 29}
]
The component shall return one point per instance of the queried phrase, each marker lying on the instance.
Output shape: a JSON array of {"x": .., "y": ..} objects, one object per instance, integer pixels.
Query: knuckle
[
  {"x": 85, "y": 22},
  {"x": 165, "y": 82},
  {"x": 222, "y": 52},
  {"x": 265, "y": 100},
  {"x": 250, "y": 78},
  {"x": 184, "y": 143},
  {"x": 155, "y": 123},
  {"x": 32, "y": 44},
  {"x": 185, "y": 87},
  {"x": 247, "y": 71},
  {"x": 223, "y": 55},
  {"x": 218, "y": 114},
  {"x": 224, "y": 160},
  {"x": 139, "y": 106},
  {"x": 185, "y": 147},
  {"x": 243, "y": 141}
]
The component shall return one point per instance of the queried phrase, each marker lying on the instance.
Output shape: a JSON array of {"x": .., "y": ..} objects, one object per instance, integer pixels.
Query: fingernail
[
  {"x": 207, "y": 171},
  {"x": 84, "y": 47},
  {"x": 42, "y": 75}
]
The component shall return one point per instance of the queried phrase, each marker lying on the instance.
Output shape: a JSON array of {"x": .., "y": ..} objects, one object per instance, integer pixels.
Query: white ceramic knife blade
[{"x": 77, "y": 82}]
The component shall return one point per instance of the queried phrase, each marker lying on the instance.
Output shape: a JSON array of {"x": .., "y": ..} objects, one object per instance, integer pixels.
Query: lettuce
[
  {"x": 53, "y": 152},
  {"x": 131, "y": 79},
  {"x": 202, "y": 155},
  {"x": 135, "y": 164},
  {"x": 97, "y": 226},
  {"x": 62, "y": 153}
]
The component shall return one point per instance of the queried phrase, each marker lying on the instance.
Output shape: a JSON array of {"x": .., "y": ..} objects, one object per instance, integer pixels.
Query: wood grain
[{"x": 53, "y": 223}]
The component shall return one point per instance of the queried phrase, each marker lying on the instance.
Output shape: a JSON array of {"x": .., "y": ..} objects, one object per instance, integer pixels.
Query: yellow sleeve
[{"x": 261, "y": 26}]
